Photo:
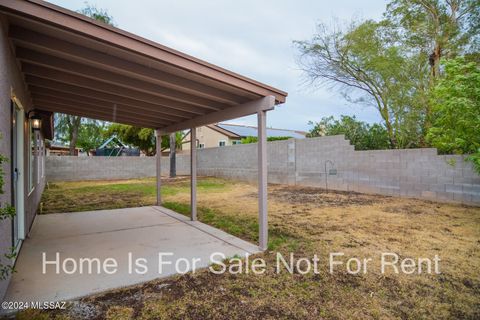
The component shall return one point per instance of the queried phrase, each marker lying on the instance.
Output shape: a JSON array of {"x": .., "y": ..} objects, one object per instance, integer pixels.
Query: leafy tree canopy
[
  {"x": 142, "y": 138},
  {"x": 93, "y": 12},
  {"x": 361, "y": 134},
  {"x": 91, "y": 134},
  {"x": 368, "y": 66},
  {"x": 456, "y": 128},
  {"x": 252, "y": 139},
  {"x": 85, "y": 133},
  {"x": 393, "y": 64},
  {"x": 440, "y": 28}
]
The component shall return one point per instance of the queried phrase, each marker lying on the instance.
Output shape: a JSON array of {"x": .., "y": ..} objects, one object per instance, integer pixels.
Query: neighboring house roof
[
  {"x": 242, "y": 131},
  {"x": 223, "y": 131}
]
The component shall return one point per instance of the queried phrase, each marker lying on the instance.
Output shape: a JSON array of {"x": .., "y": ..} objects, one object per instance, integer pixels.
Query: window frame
[{"x": 31, "y": 157}]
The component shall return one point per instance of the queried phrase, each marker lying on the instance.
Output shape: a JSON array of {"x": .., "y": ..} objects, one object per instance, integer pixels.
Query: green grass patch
[
  {"x": 141, "y": 188},
  {"x": 240, "y": 226},
  {"x": 99, "y": 195}
]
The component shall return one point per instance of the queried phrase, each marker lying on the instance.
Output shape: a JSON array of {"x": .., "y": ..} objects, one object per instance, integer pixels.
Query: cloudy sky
[{"x": 251, "y": 37}]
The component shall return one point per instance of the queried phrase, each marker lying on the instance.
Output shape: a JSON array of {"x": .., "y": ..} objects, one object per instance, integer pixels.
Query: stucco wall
[
  {"x": 209, "y": 137},
  {"x": 419, "y": 173},
  {"x": 11, "y": 81},
  {"x": 5, "y": 82}
]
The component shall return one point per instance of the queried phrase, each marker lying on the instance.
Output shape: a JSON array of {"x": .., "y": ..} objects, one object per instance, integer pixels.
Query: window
[
  {"x": 201, "y": 145},
  {"x": 222, "y": 143},
  {"x": 234, "y": 142}
]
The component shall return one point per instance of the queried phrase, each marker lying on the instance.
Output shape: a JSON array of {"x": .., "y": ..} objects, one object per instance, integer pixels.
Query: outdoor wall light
[{"x": 36, "y": 122}]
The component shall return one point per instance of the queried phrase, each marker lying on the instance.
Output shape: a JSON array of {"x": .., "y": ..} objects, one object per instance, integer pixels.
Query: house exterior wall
[
  {"x": 209, "y": 137},
  {"x": 11, "y": 81}
]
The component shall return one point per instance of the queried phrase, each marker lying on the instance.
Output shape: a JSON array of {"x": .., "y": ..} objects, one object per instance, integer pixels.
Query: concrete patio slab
[{"x": 121, "y": 234}]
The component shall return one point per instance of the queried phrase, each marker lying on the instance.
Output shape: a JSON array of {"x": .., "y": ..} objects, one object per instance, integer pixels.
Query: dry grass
[{"x": 305, "y": 221}]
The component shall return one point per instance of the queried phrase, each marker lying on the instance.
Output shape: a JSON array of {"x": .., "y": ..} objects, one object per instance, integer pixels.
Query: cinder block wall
[
  {"x": 419, "y": 173},
  {"x": 66, "y": 168}
]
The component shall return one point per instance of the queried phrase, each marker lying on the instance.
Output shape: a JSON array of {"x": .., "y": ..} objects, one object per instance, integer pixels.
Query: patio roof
[{"x": 76, "y": 65}]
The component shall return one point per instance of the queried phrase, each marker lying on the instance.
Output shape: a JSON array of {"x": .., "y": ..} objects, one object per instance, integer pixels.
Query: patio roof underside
[{"x": 75, "y": 65}]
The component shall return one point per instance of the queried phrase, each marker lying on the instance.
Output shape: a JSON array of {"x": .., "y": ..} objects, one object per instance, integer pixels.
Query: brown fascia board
[
  {"x": 260, "y": 105},
  {"x": 77, "y": 23}
]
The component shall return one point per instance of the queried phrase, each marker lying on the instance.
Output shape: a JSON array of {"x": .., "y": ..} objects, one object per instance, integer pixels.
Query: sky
[{"x": 250, "y": 37}]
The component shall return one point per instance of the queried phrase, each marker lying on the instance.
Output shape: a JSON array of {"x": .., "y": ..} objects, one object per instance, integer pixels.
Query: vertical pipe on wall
[
  {"x": 158, "y": 156},
  {"x": 193, "y": 173},
  {"x": 262, "y": 180}
]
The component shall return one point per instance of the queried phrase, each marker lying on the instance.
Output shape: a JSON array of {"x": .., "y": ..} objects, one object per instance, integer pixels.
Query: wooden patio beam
[
  {"x": 115, "y": 112},
  {"x": 252, "y": 107},
  {"x": 107, "y": 97},
  {"x": 29, "y": 38},
  {"x": 72, "y": 98},
  {"x": 55, "y": 107},
  {"x": 103, "y": 75},
  {"x": 83, "y": 82}
]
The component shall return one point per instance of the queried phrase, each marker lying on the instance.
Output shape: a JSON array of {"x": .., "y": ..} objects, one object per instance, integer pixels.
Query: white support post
[
  {"x": 193, "y": 173},
  {"x": 158, "y": 137},
  {"x": 262, "y": 180}
]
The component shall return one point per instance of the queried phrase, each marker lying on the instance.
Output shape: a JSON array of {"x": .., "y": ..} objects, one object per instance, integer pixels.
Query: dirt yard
[{"x": 303, "y": 221}]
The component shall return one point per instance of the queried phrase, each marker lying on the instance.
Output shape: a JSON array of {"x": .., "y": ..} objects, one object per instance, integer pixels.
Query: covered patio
[
  {"x": 124, "y": 235},
  {"x": 75, "y": 65}
]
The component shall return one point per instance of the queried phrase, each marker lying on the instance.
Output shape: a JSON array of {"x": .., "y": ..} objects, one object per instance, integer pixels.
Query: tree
[
  {"x": 93, "y": 12},
  {"x": 362, "y": 135},
  {"x": 77, "y": 131},
  {"x": 435, "y": 29},
  {"x": 394, "y": 64},
  {"x": 142, "y": 138},
  {"x": 369, "y": 67},
  {"x": 456, "y": 128},
  {"x": 68, "y": 126},
  {"x": 440, "y": 28},
  {"x": 91, "y": 134},
  {"x": 66, "y": 129}
]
